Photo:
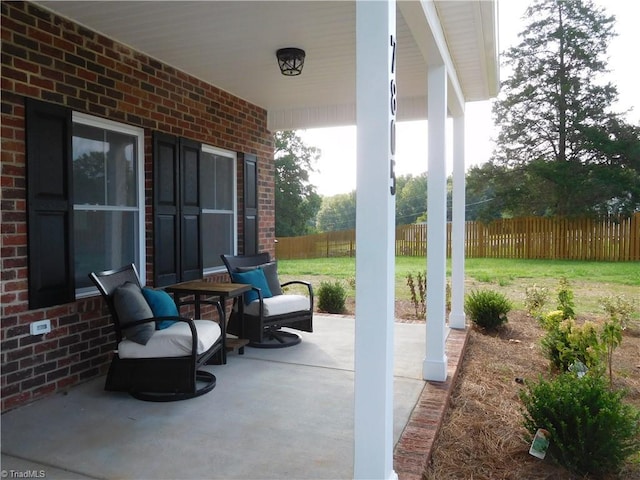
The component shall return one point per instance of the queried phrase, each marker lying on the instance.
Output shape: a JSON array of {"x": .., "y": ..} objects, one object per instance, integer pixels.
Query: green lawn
[{"x": 589, "y": 280}]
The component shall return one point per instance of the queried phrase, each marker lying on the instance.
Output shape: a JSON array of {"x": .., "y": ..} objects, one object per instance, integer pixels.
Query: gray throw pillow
[
  {"x": 270, "y": 272},
  {"x": 131, "y": 305}
]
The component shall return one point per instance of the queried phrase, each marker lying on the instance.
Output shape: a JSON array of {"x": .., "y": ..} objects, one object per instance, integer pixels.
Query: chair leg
[{"x": 207, "y": 378}]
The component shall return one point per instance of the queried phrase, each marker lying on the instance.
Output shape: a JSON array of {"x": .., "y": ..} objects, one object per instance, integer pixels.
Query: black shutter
[
  {"x": 250, "y": 214},
  {"x": 166, "y": 195},
  {"x": 176, "y": 203},
  {"x": 191, "y": 245},
  {"x": 49, "y": 204}
]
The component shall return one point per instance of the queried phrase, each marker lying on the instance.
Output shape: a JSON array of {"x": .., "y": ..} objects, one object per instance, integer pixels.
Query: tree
[
  {"x": 337, "y": 212},
  {"x": 296, "y": 199},
  {"x": 411, "y": 199},
  {"x": 563, "y": 151},
  {"x": 618, "y": 176},
  {"x": 482, "y": 203}
]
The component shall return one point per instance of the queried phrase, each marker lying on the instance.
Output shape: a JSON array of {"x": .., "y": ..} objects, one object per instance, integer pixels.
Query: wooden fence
[{"x": 607, "y": 239}]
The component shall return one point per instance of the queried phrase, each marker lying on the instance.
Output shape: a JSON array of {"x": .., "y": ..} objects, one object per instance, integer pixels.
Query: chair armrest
[
  {"x": 194, "y": 332},
  {"x": 154, "y": 319},
  {"x": 300, "y": 282},
  {"x": 306, "y": 284},
  {"x": 260, "y": 299},
  {"x": 171, "y": 317},
  {"x": 212, "y": 300}
]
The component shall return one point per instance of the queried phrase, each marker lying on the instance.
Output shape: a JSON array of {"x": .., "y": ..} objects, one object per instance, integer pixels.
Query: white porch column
[
  {"x": 435, "y": 362},
  {"x": 457, "y": 317},
  {"x": 375, "y": 241}
]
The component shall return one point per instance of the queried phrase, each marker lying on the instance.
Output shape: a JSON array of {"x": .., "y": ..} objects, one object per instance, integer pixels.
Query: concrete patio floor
[{"x": 274, "y": 414}]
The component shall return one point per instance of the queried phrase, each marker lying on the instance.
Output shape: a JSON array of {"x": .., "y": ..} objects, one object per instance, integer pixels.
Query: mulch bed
[{"x": 482, "y": 436}]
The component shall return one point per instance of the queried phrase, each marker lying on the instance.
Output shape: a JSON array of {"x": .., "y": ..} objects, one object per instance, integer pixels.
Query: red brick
[
  {"x": 60, "y": 62},
  {"x": 14, "y": 401},
  {"x": 44, "y": 390},
  {"x": 413, "y": 450},
  {"x": 64, "y": 383}
]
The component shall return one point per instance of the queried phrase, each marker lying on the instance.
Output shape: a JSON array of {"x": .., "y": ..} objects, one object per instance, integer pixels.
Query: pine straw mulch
[{"x": 482, "y": 436}]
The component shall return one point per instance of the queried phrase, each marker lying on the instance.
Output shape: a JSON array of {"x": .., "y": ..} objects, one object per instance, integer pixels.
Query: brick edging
[{"x": 414, "y": 448}]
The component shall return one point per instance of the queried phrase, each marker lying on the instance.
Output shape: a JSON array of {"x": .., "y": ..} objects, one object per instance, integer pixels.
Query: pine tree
[{"x": 560, "y": 149}]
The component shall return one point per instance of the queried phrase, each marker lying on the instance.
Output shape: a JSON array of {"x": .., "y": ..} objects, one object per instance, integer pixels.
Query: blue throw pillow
[
  {"x": 257, "y": 279},
  {"x": 271, "y": 274},
  {"x": 162, "y": 305}
]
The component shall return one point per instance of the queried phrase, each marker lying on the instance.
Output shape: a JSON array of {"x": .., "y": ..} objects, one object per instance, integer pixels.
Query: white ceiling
[{"x": 232, "y": 45}]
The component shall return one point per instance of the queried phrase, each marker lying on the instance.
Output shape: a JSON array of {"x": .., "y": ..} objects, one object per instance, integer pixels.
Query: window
[
  {"x": 218, "y": 201},
  {"x": 108, "y": 197},
  {"x": 86, "y": 203},
  {"x": 194, "y": 208}
]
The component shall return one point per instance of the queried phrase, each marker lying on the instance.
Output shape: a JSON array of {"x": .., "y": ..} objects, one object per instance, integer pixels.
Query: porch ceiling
[{"x": 232, "y": 46}]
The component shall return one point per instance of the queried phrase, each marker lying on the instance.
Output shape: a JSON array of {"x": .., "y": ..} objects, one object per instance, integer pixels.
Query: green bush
[
  {"x": 591, "y": 430},
  {"x": 566, "y": 343},
  {"x": 331, "y": 297},
  {"x": 536, "y": 298},
  {"x": 487, "y": 308},
  {"x": 611, "y": 337},
  {"x": 565, "y": 299},
  {"x": 618, "y": 307},
  {"x": 551, "y": 320}
]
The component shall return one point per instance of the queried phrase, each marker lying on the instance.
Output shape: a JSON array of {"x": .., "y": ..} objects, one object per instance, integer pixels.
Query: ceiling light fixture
[{"x": 290, "y": 61}]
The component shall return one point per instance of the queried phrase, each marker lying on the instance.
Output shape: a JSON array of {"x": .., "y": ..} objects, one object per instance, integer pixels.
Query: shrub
[
  {"x": 591, "y": 430},
  {"x": 565, "y": 299},
  {"x": 620, "y": 311},
  {"x": 618, "y": 307},
  {"x": 418, "y": 293},
  {"x": 611, "y": 337},
  {"x": 551, "y": 320},
  {"x": 488, "y": 309},
  {"x": 331, "y": 297},
  {"x": 566, "y": 343},
  {"x": 535, "y": 298}
]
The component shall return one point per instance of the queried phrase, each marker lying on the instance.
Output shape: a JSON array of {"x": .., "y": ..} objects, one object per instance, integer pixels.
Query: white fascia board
[
  {"x": 423, "y": 21},
  {"x": 488, "y": 14}
]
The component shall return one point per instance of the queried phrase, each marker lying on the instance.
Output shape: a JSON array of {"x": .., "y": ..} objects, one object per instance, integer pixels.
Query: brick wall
[{"x": 52, "y": 59}]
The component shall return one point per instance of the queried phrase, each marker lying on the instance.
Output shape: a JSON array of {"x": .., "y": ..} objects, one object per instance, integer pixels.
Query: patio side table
[{"x": 202, "y": 292}]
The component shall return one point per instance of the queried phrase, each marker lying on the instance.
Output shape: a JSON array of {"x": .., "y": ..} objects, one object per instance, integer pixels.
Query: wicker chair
[
  {"x": 166, "y": 366},
  {"x": 261, "y": 319}
]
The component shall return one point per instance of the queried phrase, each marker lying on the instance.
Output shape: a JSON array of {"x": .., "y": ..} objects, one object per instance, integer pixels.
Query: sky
[{"x": 336, "y": 169}]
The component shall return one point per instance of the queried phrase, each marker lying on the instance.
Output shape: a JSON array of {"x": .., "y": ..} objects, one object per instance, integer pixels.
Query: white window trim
[
  {"x": 138, "y": 132},
  {"x": 234, "y": 157}
]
